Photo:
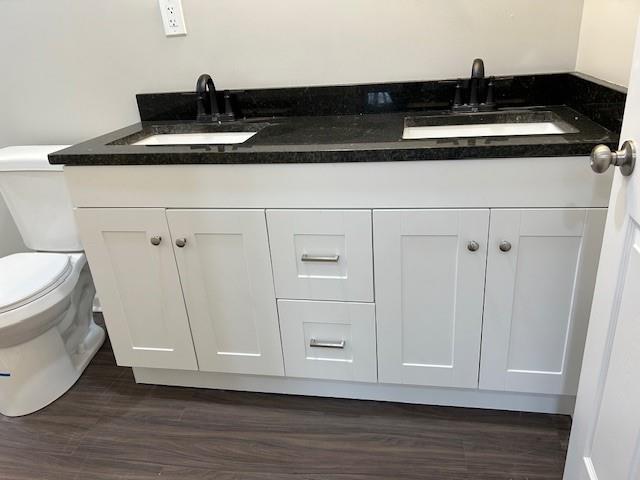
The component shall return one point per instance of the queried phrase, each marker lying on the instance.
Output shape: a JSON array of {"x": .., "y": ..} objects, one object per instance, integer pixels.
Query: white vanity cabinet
[
  {"x": 371, "y": 280},
  {"x": 430, "y": 268},
  {"x": 540, "y": 277},
  {"x": 496, "y": 299},
  {"x": 131, "y": 258}
]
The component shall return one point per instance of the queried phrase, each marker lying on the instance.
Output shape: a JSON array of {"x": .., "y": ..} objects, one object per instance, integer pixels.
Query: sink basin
[
  {"x": 205, "y": 138},
  {"x": 493, "y": 124},
  {"x": 193, "y": 134},
  {"x": 487, "y": 130}
]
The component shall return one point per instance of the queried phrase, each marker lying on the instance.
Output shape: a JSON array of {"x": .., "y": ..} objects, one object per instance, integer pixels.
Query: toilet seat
[
  {"x": 25, "y": 277},
  {"x": 37, "y": 311}
]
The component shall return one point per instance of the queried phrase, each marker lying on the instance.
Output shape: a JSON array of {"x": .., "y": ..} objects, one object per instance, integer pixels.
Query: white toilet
[{"x": 47, "y": 333}]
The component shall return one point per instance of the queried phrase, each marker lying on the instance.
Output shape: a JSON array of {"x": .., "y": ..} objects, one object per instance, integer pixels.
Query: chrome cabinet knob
[
  {"x": 181, "y": 242},
  {"x": 473, "y": 246},
  {"x": 602, "y": 158},
  {"x": 155, "y": 240},
  {"x": 504, "y": 246}
]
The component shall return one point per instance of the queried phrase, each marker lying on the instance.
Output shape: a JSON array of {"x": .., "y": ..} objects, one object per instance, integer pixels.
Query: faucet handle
[
  {"x": 490, "y": 92},
  {"x": 228, "y": 107},
  {"x": 457, "y": 99}
]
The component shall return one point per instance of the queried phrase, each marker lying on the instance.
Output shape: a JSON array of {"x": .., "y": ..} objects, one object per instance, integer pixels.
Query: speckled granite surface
[{"x": 359, "y": 124}]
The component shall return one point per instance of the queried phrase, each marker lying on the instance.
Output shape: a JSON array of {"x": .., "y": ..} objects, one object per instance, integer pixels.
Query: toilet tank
[{"x": 37, "y": 197}]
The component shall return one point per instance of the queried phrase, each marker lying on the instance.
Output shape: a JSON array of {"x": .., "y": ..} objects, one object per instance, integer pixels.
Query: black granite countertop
[{"x": 336, "y": 138}]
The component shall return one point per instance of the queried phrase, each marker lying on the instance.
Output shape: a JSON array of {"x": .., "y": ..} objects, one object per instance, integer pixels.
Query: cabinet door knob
[
  {"x": 155, "y": 240},
  {"x": 181, "y": 242},
  {"x": 473, "y": 246},
  {"x": 504, "y": 246}
]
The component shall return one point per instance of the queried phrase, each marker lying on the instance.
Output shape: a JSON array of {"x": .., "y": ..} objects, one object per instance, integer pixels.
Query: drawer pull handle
[
  {"x": 327, "y": 343},
  {"x": 318, "y": 258}
]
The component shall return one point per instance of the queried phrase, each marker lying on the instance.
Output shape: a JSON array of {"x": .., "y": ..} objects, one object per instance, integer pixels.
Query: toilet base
[{"x": 35, "y": 373}]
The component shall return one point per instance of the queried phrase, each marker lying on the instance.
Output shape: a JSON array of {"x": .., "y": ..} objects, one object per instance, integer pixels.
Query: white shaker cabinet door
[
  {"x": 429, "y": 284},
  {"x": 225, "y": 268},
  {"x": 540, "y": 278},
  {"x": 131, "y": 259}
]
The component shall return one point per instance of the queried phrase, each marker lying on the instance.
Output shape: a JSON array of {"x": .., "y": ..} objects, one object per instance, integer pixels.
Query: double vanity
[{"x": 379, "y": 249}]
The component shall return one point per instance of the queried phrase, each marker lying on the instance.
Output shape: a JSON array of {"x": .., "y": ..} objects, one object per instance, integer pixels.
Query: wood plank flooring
[{"x": 108, "y": 427}]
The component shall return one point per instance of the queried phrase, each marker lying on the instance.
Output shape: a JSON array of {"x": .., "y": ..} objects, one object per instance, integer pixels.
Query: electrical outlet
[{"x": 172, "y": 17}]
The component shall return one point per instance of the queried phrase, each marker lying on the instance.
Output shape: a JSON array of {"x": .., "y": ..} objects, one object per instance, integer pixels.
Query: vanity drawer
[
  {"x": 322, "y": 254},
  {"x": 329, "y": 340}
]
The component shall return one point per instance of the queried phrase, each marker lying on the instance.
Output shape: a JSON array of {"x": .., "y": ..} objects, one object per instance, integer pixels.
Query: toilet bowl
[{"x": 47, "y": 332}]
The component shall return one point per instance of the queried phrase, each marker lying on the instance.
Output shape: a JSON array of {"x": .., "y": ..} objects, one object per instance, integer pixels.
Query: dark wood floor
[{"x": 108, "y": 427}]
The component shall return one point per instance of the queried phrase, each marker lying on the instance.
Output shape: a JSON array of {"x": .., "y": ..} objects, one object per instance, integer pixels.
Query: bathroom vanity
[{"x": 310, "y": 260}]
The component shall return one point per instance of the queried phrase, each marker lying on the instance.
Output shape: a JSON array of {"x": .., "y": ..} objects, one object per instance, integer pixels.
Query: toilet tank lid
[{"x": 28, "y": 157}]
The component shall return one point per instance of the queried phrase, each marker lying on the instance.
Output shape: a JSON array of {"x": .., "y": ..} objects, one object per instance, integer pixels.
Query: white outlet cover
[{"x": 172, "y": 17}]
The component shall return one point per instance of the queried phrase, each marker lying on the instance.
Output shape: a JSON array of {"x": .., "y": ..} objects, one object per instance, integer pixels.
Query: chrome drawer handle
[
  {"x": 327, "y": 343},
  {"x": 319, "y": 258}
]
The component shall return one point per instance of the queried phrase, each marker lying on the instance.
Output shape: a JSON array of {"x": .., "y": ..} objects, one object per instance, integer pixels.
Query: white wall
[
  {"x": 71, "y": 68},
  {"x": 607, "y": 37}
]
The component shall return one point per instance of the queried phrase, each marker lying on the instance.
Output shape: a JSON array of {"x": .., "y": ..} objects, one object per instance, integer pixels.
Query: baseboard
[{"x": 561, "y": 404}]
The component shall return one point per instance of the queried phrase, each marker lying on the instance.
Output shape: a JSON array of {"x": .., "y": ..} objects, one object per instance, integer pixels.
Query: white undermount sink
[
  {"x": 479, "y": 130},
  {"x": 207, "y": 138},
  {"x": 488, "y": 124}
]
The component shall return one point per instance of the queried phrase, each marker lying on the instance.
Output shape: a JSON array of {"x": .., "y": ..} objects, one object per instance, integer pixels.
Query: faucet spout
[
  {"x": 207, "y": 101},
  {"x": 477, "y": 70},
  {"x": 477, "y": 75}
]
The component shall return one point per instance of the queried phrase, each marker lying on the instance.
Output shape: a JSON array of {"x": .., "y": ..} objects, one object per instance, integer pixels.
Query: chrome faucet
[{"x": 476, "y": 84}]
